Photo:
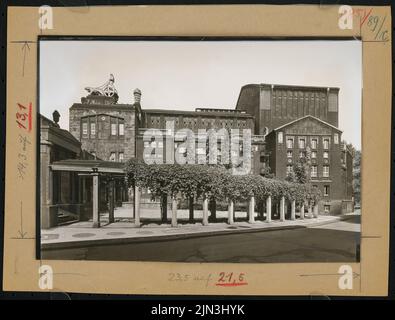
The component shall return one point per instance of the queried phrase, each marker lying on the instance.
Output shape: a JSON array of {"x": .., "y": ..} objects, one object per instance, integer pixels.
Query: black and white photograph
[{"x": 222, "y": 150}]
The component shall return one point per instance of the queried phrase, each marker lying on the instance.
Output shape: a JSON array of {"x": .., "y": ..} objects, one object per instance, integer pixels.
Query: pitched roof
[{"x": 305, "y": 117}]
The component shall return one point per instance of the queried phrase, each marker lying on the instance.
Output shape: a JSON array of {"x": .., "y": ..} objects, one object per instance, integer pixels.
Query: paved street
[{"x": 334, "y": 242}]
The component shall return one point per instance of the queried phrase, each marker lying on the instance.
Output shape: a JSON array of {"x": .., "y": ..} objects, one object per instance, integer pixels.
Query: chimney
[
  {"x": 137, "y": 95},
  {"x": 55, "y": 118}
]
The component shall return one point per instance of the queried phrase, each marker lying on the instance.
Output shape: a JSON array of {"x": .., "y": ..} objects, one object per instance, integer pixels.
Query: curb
[
  {"x": 166, "y": 237},
  {"x": 174, "y": 237}
]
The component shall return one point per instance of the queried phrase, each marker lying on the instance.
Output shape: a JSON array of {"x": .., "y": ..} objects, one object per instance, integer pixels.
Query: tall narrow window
[
  {"x": 289, "y": 169},
  {"x": 121, "y": 129},
  {"x": 326, "y": 191},
  {"x": 112, "y": 156},
  {"x": 289, "y": 154},
  {"x": 93, "y": 129},
  {"x": 313, "y": 154},
  {"x": 325, "y": 171},
  {"x": 302, "y": 143},
  {"x": 314, "y": 143},
  {"x": 314, "y": 171},
  {"x": 85, "y": 128},
  {"x": 336, "y": 138},
  {"x": 326, "y": 155},
  {"x": 326, "y": 143},
  {"x": 280, "y": 137},
  {"x": 113, "y": 129},
  {"x": 120, "y": 157},
  {"x": 290, "y": 143}
]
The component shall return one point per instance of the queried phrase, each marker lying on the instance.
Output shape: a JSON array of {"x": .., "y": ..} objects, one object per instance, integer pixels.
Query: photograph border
[
  {"x": 200, "y": 39},
  {"x": 376, "y": 290}
]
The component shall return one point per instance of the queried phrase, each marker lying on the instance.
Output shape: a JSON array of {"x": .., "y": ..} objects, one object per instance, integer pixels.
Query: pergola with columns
[
  {"x": 90, "y": 175},
  {"x": 312, "y": 211},
  {"x": 110, "y": 174}
]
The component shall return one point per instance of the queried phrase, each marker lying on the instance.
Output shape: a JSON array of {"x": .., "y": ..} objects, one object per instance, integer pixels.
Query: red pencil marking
[
  {"x": 20, "y": 125},
  {"x": 21, "y": 106},
  {"x": 366, "y": 16},
  {"x": 232, "y": 284},
  {"x": 30, "y": 116}
]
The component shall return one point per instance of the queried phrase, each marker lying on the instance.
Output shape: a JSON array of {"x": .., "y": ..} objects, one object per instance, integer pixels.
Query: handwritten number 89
[{"x": 373, "y": 22}]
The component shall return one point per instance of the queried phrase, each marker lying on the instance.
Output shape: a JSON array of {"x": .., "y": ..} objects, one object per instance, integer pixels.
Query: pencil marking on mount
[
  {"x": 355, "y": 274},
  {"x": 21, "y": 233},
  {"x": 25, "y": 47}
]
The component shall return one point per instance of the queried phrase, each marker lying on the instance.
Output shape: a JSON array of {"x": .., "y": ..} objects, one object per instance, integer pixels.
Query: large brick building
[
  {"x": 287, "y": 122},
  {"x": 104, "y": 127},
  {"x": 275, "y": 105},
  {"x": 302, "y": 121}
]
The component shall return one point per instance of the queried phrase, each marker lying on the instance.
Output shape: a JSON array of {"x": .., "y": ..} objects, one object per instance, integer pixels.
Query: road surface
[{"x": 334, "y": 242}]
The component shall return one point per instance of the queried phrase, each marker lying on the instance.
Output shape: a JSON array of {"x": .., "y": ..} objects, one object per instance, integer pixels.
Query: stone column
[
  {"x": 269, "y": 209},
  {"x": 95, "y": 201},
  {"x": 137, "y": 206},
  {"x": 230, "y": 212},
  {"x": 293, "y": 208},
  {"x": 282, "y": 209},
  {"x": 174, "y": 212},
  {"x": 302, "y": 211},
  {"x": 251, "y": 210},
  {"x": 315, "y": 211},
  {"x": 163, "y": 208},
  {"x": 213, "y": 210},
  {"x": 84, "y": 190},
  {"x": 191, "y": 211},
  {"x": 50, "y": 187},
  {"x": 111, "y": 201},
  {"x": 205, "y": 211}
]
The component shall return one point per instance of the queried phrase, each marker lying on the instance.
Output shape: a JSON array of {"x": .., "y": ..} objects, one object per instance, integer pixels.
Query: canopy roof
[{"x": 88, "y": 166}]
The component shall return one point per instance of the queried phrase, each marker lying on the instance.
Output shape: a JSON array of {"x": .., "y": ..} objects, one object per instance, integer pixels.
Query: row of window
[
  {"x": 314, "y": 142},
  {"x": 117, "y": 129},
  {"x": 205, "y": 122},
  {"x": 300, "y": 94},
  {"x": 314, "y": 171},
  {"x": 302, "y": 154},
  {"x": 326, "y": 190},
  {"x": 113, "y": 156}
]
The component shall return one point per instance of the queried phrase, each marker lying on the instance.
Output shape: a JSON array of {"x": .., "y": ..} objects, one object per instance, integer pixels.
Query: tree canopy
[{"x": 215, "y": 182}]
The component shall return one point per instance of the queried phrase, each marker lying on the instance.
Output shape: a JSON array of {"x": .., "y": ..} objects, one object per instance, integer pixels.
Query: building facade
[
  {"x": 66, "y": 185},
  {"x": 320, "y": 143},
  {"x": 275, "y": 105},
  {"x": 200, "y": 120},
  {"x": 300, "y": 122},
  {"x": 105, "y": 128},
  {"x": 287, "y": 123}
]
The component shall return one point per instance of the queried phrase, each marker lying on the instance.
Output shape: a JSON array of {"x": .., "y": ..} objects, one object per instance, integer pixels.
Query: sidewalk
[{"x": 82, "y": 234}]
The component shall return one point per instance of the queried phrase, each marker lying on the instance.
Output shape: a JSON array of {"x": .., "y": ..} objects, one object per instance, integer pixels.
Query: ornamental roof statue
[{"x": 107, "y": 89}]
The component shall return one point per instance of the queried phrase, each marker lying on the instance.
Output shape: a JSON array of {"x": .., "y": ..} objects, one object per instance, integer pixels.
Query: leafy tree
[
  {"x": 301, "y": 170},
  {"x": 215, "y": 182},
  {"x": 266, "y": 172}
]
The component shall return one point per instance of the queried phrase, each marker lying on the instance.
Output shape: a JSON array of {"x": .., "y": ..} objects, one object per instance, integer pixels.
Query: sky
[{"x": 178, "y": 75}]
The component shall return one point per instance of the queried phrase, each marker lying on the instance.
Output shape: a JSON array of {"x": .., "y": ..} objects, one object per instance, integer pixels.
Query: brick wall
[
  {"x": 276, "y": 105},
  {"x": 103, "y": 142}
]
